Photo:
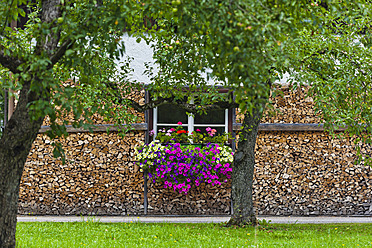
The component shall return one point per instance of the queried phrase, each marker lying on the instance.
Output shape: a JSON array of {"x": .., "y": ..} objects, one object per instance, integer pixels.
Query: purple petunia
[{"x": 179, "y": 167}]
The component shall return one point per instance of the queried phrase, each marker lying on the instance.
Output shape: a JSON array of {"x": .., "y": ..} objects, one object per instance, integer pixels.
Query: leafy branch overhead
[
  {"x": 242, "y": 46},
  {"x": 189, "y": 107}
]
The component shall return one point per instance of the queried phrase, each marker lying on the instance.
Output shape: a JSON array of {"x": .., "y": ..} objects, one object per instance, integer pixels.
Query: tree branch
[
  {"x": 194, "y": 108},
  {"x": 9, "y": 62},
  {"x": 149, "y": 105},
  {"x": 189, "y": 107},
  {"x": 61, "y": 51}
]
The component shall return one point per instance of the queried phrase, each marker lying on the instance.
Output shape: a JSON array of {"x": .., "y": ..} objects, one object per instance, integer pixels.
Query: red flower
[{"x": 181, "y": 131}]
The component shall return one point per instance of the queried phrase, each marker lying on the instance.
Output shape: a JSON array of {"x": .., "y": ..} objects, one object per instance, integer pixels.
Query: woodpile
[
  {"x": 203, "y": 200},
  {"x": 289, "y": 107},
  {"x": 98, "y": 177},
  {"x": 297, "y": 173},
  {"x": 293, "y": 106},
  {"x": 309, "y": 173},
  {"x": 98, "y": 119}
]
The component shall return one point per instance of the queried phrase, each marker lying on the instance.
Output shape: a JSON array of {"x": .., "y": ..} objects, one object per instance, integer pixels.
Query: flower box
[
  {"x": 181, "y": 166},
  {"x": 179, "y": 135}
]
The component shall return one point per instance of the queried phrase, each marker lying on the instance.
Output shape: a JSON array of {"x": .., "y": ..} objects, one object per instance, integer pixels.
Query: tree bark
[
  {"x": 243, "y": 171},
  {"x": 15, "y": 144},
  {"x": 21, "y": 130}
]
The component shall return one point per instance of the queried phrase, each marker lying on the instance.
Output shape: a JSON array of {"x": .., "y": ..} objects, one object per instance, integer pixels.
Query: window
[{"x": 168, "y": 115}]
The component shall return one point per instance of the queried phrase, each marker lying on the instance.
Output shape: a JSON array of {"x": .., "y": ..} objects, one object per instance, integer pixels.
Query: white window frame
[{"x": 190, "y": 123}]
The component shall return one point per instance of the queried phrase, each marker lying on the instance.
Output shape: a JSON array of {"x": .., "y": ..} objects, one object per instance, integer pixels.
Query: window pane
[
  {"x": 212, "y": 117},
  {"x": 169, "y": 113}
]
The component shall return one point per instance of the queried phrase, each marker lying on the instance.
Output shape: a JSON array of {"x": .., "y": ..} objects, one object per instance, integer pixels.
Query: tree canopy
[
  {"x": 245, "y": 45},
  {"x": 248, "y": 45}
]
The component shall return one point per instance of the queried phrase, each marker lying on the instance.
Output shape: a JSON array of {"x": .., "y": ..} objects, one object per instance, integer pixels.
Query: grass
[{"x": 96, "y": 234}]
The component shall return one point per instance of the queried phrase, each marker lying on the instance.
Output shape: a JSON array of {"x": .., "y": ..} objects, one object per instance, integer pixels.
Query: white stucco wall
[{"x": 142, "y": 53}]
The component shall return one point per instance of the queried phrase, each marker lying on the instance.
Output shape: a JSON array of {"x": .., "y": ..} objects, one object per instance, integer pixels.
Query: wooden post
[
  {"x": 147, "y": 138},
  {"x": 233, "y": 147},
  {"x": 145, "y": 204}
]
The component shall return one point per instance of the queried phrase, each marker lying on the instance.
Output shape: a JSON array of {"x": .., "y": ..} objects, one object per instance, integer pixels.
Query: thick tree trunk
[
  {"x": 21, "y": 130},
  {"x": 15, "y": 144},
  {"x": 243, "y": 171}
]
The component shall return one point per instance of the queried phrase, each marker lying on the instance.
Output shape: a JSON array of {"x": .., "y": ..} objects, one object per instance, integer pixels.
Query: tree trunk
[
  {"x": 243, "y": 171},
  {"x": 15, "y": 144},
  {"x": 21, "y": 130}
]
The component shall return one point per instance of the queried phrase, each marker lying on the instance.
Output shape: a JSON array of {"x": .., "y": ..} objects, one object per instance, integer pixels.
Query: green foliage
[
  {"x": 84, "y": 81},
  {"x": 247, "y": 45},
  {"x": 335, "y": 60}
]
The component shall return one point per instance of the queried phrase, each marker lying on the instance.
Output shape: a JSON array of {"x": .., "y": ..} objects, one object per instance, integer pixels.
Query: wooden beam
[
  {"x": 98, "y": 128},
  {"x": 291, "y": 127},
  {"x": 266, "y": 127}
]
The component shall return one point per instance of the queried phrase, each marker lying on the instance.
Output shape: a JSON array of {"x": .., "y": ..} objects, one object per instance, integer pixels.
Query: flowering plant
[
  {"x": 181, "y": 166},
  {"x": 179, "y": 135},
  {"x": 173, "y": 135},
  {"x": 210, "y": 136}
]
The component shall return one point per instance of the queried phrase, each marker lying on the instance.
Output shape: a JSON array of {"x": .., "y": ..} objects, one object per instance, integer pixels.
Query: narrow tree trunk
[
  {"x": 15, "y": 144},
  {"x": 243, "y": 171}
]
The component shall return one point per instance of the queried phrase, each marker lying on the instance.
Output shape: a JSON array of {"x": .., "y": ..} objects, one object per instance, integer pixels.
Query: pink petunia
[
  {"x": 179, "y": 123},
  {"x": 198, "y": 130}
]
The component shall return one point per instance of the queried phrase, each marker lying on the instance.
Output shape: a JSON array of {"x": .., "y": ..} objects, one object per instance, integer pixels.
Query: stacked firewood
[
  {"x": 98, "y": 119},
  {"x": 204, "y": 199},
  {"x": 99, "y": 176},
  {"x": 309, "y": 173},
  {"x": 297, "y": 173}
]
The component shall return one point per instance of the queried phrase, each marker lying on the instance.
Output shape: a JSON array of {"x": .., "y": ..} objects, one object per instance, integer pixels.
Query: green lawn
[{"x": 96, "y": 234}]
